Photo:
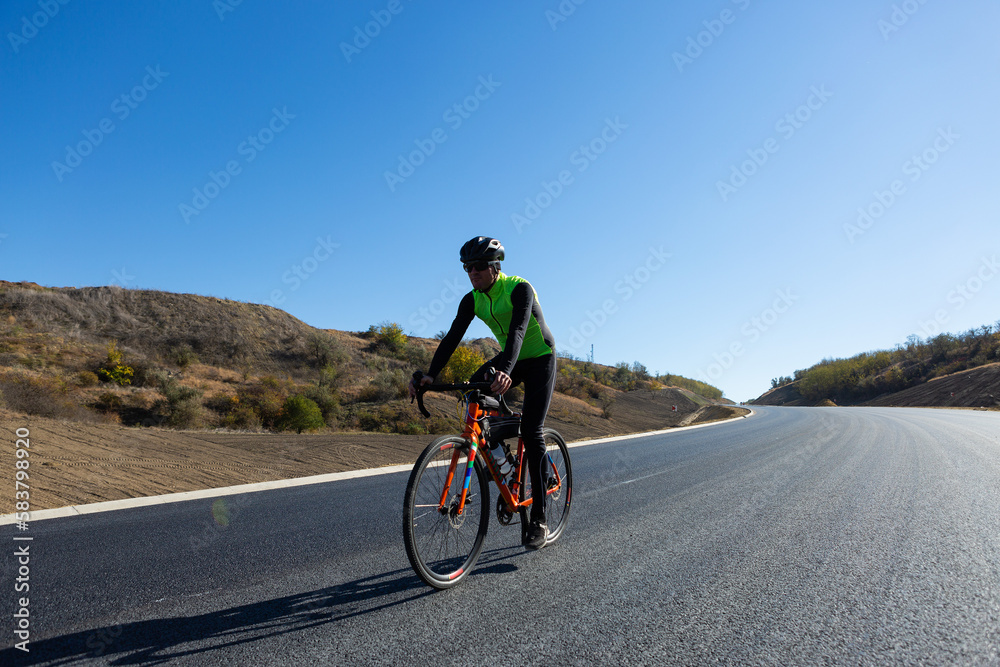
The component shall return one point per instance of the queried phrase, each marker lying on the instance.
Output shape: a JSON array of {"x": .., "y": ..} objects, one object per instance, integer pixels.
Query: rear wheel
[
  {"x": 558, "y": 477},
  {"x": 442, "y": 544}
]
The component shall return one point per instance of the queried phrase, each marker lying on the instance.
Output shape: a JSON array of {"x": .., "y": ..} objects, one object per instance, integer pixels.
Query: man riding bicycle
[{"x": 509, "y": 307}]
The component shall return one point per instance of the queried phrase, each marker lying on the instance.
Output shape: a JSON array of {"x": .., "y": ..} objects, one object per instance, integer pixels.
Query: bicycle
[{"x": 446, "y": 515}]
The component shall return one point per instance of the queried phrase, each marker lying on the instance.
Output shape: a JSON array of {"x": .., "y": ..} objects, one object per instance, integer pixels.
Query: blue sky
[{"x": 726, "y": 190}]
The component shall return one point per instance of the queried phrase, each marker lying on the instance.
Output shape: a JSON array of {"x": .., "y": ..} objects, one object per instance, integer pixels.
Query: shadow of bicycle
[{"x": 161, "y": 640}]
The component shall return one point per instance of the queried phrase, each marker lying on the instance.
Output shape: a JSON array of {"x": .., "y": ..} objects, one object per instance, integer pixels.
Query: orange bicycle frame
[{"x": 473, "y": 434}]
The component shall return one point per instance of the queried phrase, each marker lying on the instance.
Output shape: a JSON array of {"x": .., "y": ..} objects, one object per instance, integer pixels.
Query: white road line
[{"x": 127, "y": 503}]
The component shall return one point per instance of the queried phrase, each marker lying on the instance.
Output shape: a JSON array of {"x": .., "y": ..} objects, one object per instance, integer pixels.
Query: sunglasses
[{"x": 478, "y": 266}]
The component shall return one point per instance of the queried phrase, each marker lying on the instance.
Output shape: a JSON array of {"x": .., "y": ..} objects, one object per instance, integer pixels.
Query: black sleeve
[
  {"x": 522, "y": 298},
  {"x": 448, "y": 344}
]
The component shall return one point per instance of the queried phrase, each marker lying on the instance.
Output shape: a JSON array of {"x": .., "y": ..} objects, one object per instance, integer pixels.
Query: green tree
[{"x": 300, "y": 414}]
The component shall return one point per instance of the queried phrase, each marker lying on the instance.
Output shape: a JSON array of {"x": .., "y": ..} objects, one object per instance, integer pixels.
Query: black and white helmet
[{"x": 482, "y": 249}]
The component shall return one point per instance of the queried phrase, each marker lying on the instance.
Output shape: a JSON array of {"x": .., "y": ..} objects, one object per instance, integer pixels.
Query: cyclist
[{"x": 509, "y": 307}]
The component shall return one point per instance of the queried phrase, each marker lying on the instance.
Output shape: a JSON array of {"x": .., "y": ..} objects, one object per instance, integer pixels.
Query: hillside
[
  {"x": 953, "y": 370},
  {"x": 158, "y": 326},
  {"x": 208, "y": 385},
  {"x": 148, "y": 358},
  {"x": 975, "y": 388}
]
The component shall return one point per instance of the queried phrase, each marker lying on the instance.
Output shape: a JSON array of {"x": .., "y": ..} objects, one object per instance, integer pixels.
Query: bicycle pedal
[{"x": 504, "y": 515}]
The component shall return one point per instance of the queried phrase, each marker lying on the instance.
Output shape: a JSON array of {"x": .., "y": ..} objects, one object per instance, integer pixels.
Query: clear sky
[{"x": 727, "y": 190}]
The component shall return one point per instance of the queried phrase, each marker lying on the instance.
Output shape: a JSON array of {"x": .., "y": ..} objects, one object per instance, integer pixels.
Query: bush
[
  {"x": 222, "y": 403},
  {"x": 86, "y": 379},
  {"x": 386, "y": 385},
  {"x": 184, "y": 356},
  {"x": 328, "y": 401},
  {"x": 418, "y": 355},
  {"x": 463, "y": 363},
  {"x": 113, "y": 369},
  {"x": 413, "y": 428},
  {"x": 300, "y": 414},
  {"x": 143, "y": 375},
  {"x": 389, "y": 338},
  {"x": 329, "y": 376},
  {"x": 244, "y": 418},
  {"x": 266, "y": 398},
  {"x": 108, "y": 402},
  {"x": 44, "y": 397},
  {"x": 374, "y": 420},
  {"x": 325, "y": 350},
  {"x": 186, "y": 413},
  {"x": 400, "y": 419},
  {"x": 121, "y": 375},
  {"x": 182, "y": 407},
  {"x": 607, "y": 401}
]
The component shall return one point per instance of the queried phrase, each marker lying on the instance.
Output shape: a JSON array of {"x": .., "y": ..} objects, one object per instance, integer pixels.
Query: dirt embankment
[
  {"x": 74, "y": 463},
  {"x": 785, "y": 395},
  {"x": 974, "y": 388}
]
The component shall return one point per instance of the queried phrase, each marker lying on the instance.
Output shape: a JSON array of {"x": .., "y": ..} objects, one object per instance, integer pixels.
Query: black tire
[
  {"x": 558, "y": 503},
  {"x": 442, "y": 546}
]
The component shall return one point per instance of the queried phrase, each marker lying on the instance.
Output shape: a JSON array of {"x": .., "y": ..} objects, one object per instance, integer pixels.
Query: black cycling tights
[{"x": 539, "y": 378}]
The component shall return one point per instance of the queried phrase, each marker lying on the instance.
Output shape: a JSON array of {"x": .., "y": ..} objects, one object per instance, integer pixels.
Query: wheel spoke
[{"x": 441, "y": 543}]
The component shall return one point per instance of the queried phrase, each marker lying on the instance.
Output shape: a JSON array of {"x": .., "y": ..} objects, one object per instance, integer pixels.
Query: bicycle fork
[{"x": 472, "y": 435}]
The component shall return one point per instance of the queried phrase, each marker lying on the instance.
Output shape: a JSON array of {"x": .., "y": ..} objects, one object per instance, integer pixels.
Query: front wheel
[
  {"x": 441, "y": 543},
  {"x": 557, "y": 475}
]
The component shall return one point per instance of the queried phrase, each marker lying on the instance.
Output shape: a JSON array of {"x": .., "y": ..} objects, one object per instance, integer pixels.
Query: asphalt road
[{"x": 797, "y": 536}]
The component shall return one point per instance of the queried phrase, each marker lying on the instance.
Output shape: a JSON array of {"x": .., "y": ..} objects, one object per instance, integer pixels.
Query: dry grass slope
[
  {"x": 143, "y": 357},
  {"x": 157, "y": 324}
]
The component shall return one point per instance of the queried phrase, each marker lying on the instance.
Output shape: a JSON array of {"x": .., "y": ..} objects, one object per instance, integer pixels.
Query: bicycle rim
[
  {"x": 442, "y": 545},
  {"x": 557, "y": 467}
]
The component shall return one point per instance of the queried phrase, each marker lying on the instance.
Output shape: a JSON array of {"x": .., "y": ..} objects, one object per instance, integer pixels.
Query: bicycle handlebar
[{"x": 463, "y": 387}]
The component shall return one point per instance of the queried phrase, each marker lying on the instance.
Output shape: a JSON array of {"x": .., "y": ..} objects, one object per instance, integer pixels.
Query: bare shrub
[
  {"x": 385, "y": 385},
  {"x": 44, "y": 397}
]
